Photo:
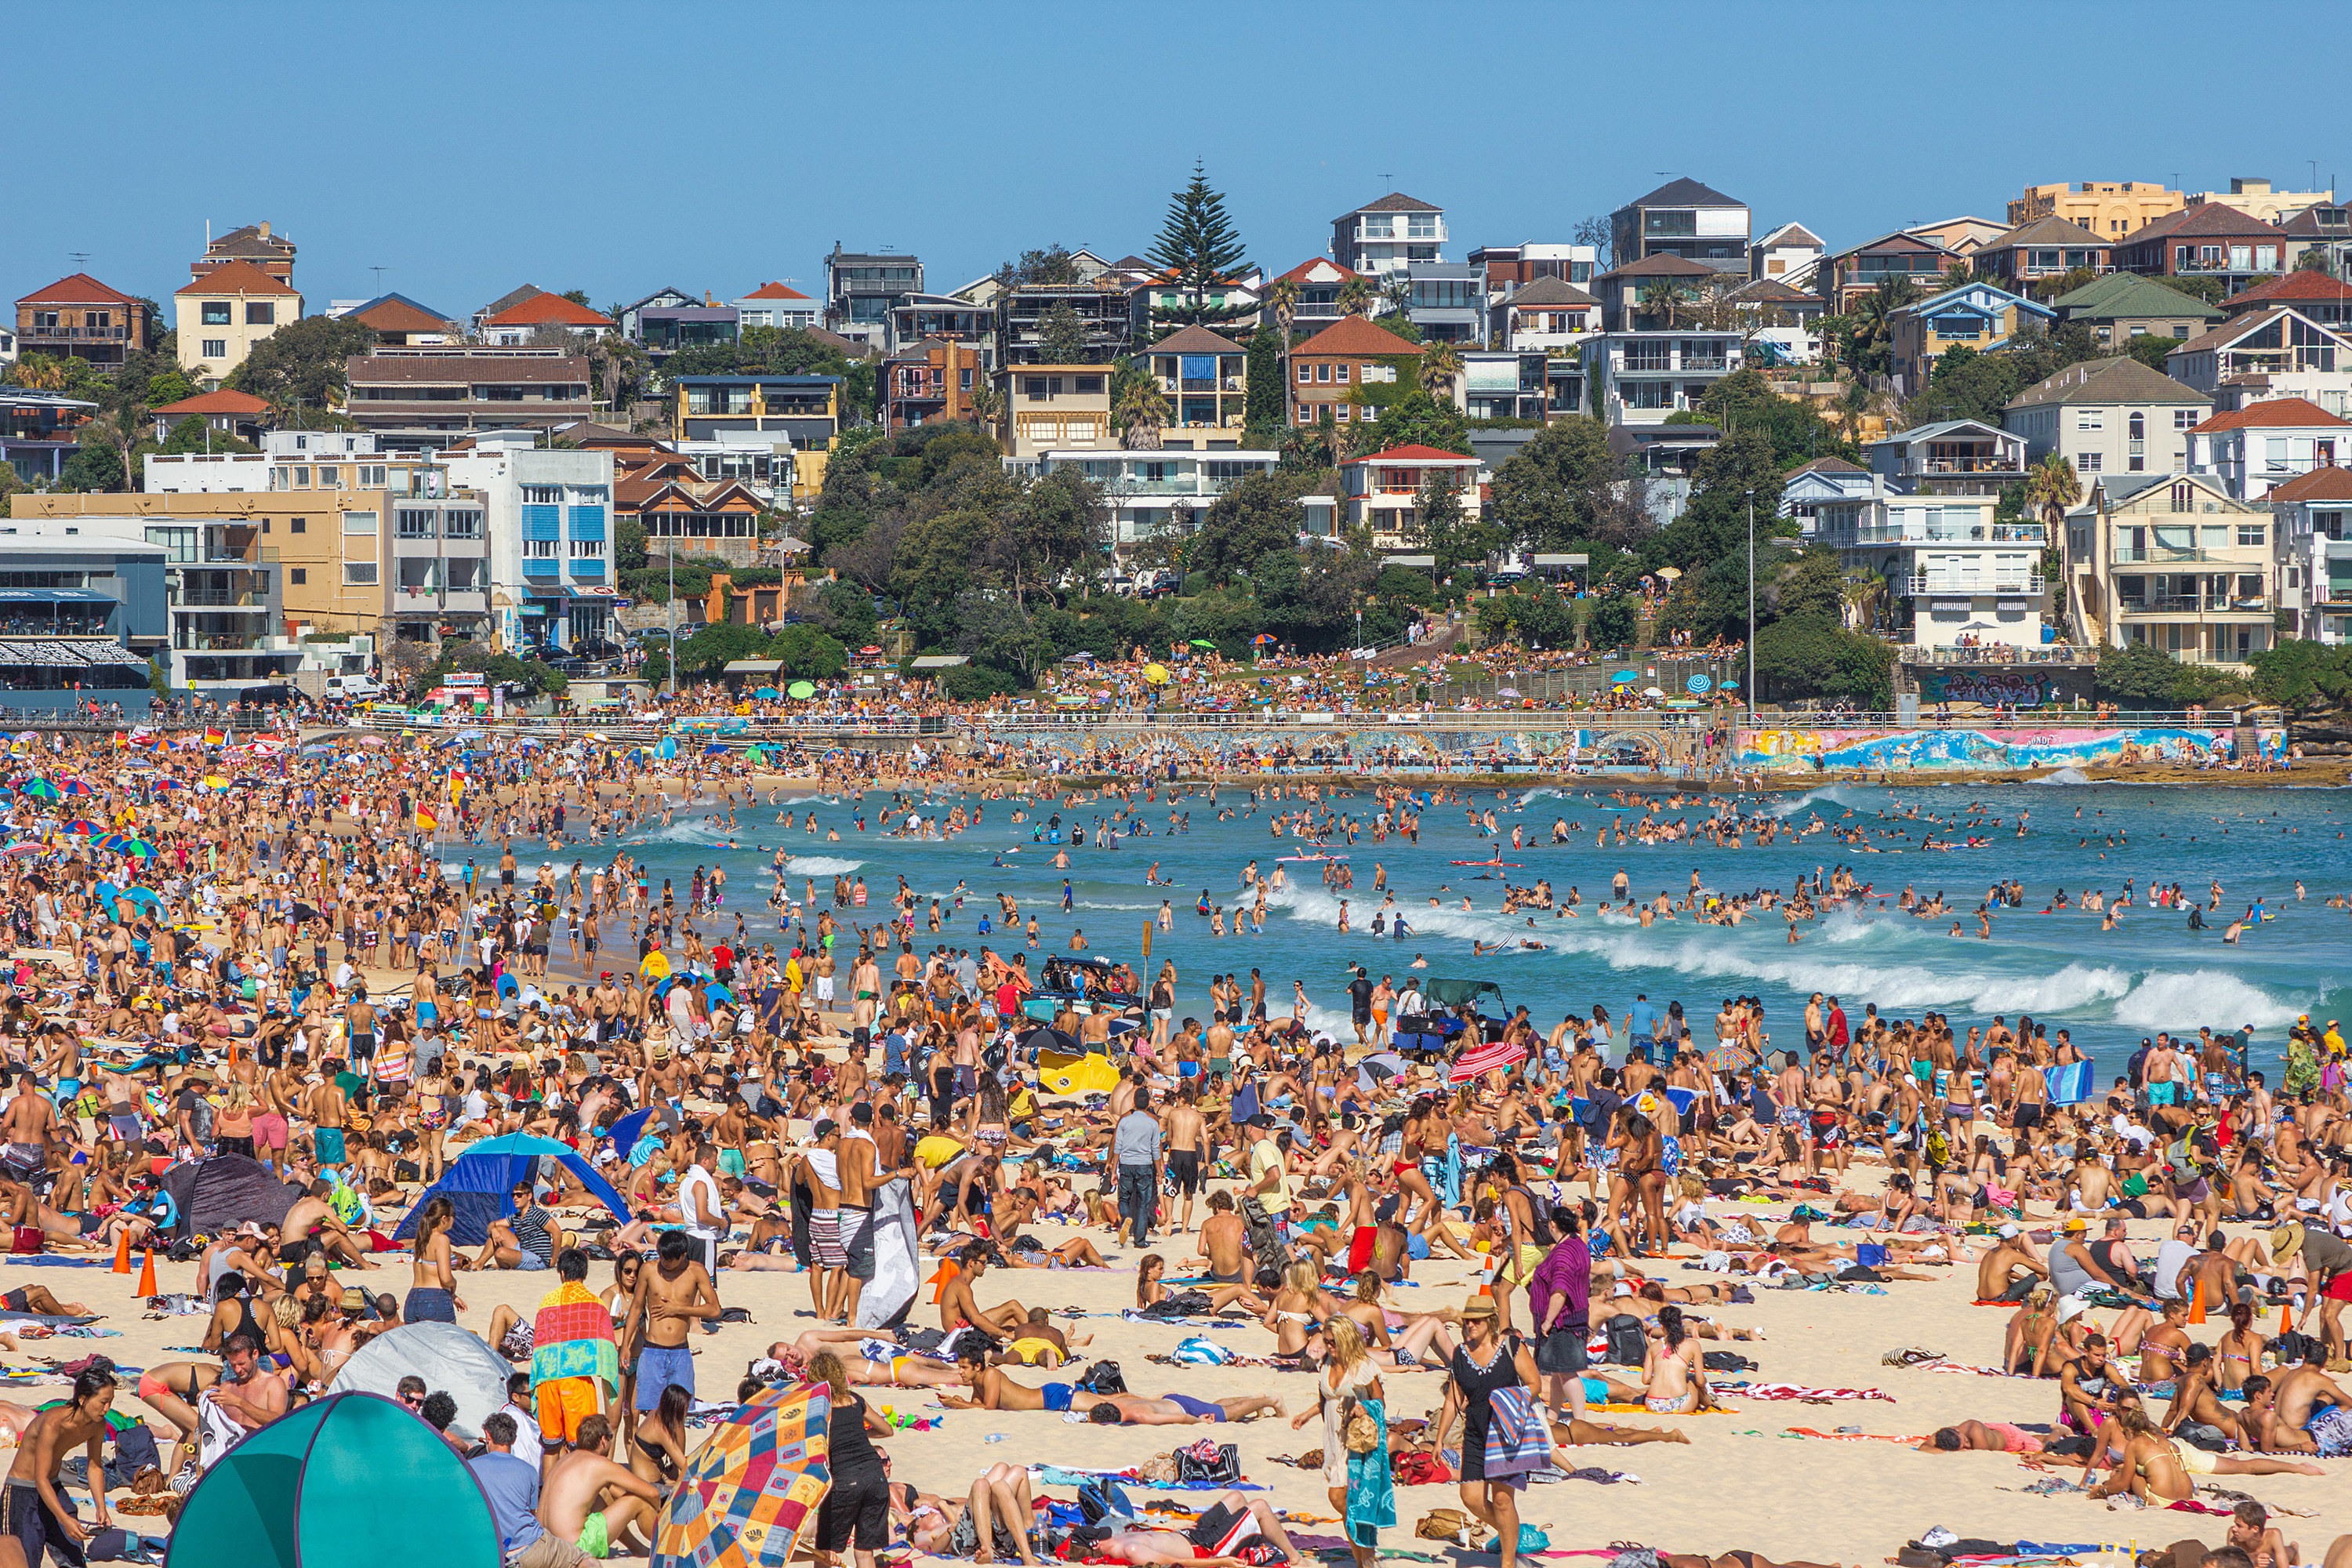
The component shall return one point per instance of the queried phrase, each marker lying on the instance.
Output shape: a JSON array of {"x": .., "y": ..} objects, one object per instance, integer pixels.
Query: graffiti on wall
[
  {"x": 1874, "y": 750},
  {"x": 2012, "y": 687}
]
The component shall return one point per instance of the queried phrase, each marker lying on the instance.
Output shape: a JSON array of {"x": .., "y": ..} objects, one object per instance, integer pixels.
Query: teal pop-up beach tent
[{"x": 352, "y": 1480}]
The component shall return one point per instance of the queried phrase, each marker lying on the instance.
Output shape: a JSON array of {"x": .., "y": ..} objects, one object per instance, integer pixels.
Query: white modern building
[
  {"x": 2108, "y": 416},
  {"x": 549, "y": 519},
  {"x": 1955, "y": 576},
  {"x": 1382, "y": 239},
  {"x": 2315, "y": 552},
  {"x": 2254, "y": 450},
  {"x": 1641, "y": 377},
  {"x": 1155, "y": 493}
]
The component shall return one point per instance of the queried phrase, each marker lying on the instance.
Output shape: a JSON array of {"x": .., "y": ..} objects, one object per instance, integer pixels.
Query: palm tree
[
  {"x": 1141, "y": 413},
  {"x": 1861, "y": 592},
  {"x": 1441, "y": 366},
  {"x": 1356, "y": 296},
  {"x": 1397, "y": 294},
  {"x": 984, "y": 403},
  {"x": 1666, "y": 297},
  {"x": 1284, "y": 297}
]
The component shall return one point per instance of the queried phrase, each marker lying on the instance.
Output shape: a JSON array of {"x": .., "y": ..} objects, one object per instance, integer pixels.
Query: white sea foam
[
  {"x": 2176, "y": 1001},
  {"x": 819, "y": 865},
  {"x": 2063, "y": 776}
]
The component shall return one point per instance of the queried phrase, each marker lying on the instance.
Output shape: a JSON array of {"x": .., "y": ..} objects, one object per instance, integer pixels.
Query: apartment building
[
  {"x": 1319, "y": 282},
  {"x": 931, "y": 379},
  {"x": 1154, "y": 493},
  {"x": 420, "y": 399},
  {"x": 2173, "y": 562},
  {"x": 1381, "y": 491},
  {"x": 2210, "y": 240},
  {"x": 861, "y": 290},
  {"x": 1550, "y": 315},
  {"x": 80, "y": 318},
  {"x": 2122, "y": 306},
  {"x": 1043, "y": 408},
  {"x": 1684, "y": 218},
  {"x": 2315, "y": 552},
  {"x": 778, "y": 305},
  {"x": 2277, "y": 352},
  {"x": 1509, "y": 267},
  {"x": 2110, "y": 208},
  {"x": 1643, "y": 377},
  {"x": 2047, "y": 248},
  {"x": 253, "y": 245},
  {"x": 2256, "y": 199},
  {"x": 1955, "y": 575},
  {"x": 1951, "y": 456},
  {"x": 225, "y": 311},
  {"x": 804, "y": 411},
  {"x": 1382, "y": 239},
  {"x": 1204, "y": 375},
  {"x": 1341, "y": 360},
  {"x": 2254, "y": 450},
  {"x": 546, "y": 513},
  {"x": 82, "y": 609},
  {"x": 1026, "y": 315},
  {"x": 2108, "y": 416}
]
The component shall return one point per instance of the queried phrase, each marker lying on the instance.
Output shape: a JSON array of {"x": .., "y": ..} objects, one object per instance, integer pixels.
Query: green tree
[
  {"x": 1062, "y": 334},
  {"x": 2304, "y": 677},
  {"x": 1417, "y": 419},
  {"x": 1813, "y": 584},
  {"x": 168, "y": 386},
  {"x": 96, "y": 465},
  {"x": 1545, "y": 495},
  {"x": 1611, "y": 622},
  {"x": 847, "y": 610},
  {"x": 1966, "y": 385},
  {"x": 1744, "y": 399},
  {"x": 1200, "y": 250},
  {"x": 808, "y": 654},
  {"x": 1813, "y": 656},
  {"x": 302, "y": 363},
  {"x": 1663, "y": 301},
  {"x": 192, "y": 435},
  {"x": 2138, "y": 675},
  {"x": 1404, "y": 585},
  {"x": 1141, "y": 412},
  {"x": 1447, "y": 529},
  {"x": 1258, "y": 517},
  {"x": 629, "y": 542},
  {"x": 2152, "y": 350},
  {"x": 1264, "y": 402}
]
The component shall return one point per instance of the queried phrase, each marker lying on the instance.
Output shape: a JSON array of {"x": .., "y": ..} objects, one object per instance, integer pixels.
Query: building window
[
  {"x": 301, "y": 525},
  {"x": 2184, "y": 419},
  {"x": 1305, "y": 373},
  {"x": 215, "y": 313},
  {"x": 298, "y": 576},
  {"x": 358, "y": 574},
  {"x": 2087, "y": 462},
  {"x": 1342, "y": 375},
  {"x": 465, "y": 524},
  {"x": 261, "y": 315},
  {"x": 1323, "y": 373},
  {"x": 538, "y": 549},
  {"x": 2250, "y": 535},
  {"x": 329, "y": 476},
  {"x": 2090, "y": 419},
  {"x": 359, "y": 522},
  {"x": 301, "y": 478},
  {"x": 542, "y": 495},
  {"x": 371, "y": 477},
  {"x": 587, "y": 548},
  {"x": 215, "y": 348}
]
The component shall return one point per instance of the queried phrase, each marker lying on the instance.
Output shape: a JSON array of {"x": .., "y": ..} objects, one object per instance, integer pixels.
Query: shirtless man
[
  {"x": 670, "y": 1298},
  {"x": 313, "y": 1218},
  {"x": 29, "y": 1126},
  {"x": 2310, "y": 1413},
  {"x": 327, "y": 1109},
  {"x": 1171, "y": 1409},
  {"x": 1998, "y": 1269},
  {"x": 958, "y": 1306},
  {"x": 587, "y": 1499},
  {"x": 1222, "y": 1528},
  {"x": 249, "y": 1393},
  {"x": 1184, "y": 1136},
  {"x": 859, "y": 1163},
  {"x": 1224, "y": 1241},
  {"x": 36, "y": 1515}
]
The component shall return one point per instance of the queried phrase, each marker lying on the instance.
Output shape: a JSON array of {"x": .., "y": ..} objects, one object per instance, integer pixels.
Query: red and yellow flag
[
  {"x": 215, "y": 738},
  {"x": 426, "y": 821}
]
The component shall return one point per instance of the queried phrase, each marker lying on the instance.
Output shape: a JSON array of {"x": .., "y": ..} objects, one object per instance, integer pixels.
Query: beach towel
[
  {"x": 1852, "y": 1436},
  {"x": 2070, "y": 1084},
  {"x": 572, "y": 1336},
  {"x": 1518, "y": 1438},
  {"x": 1371, "y": 1489},
  {"x": 1799, "y": 1390}
]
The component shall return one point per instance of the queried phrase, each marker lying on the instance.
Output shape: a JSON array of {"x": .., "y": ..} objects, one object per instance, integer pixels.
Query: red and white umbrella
[{"x": 1486, "y": 1058}]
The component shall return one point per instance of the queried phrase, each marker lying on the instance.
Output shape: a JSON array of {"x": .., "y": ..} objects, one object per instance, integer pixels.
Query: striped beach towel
[{"x": 572, "y": 1337}]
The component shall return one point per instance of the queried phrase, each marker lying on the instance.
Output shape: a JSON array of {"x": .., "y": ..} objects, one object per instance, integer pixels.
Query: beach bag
[
  {"x": 1208, "y": 1464},
  {"x": 1103, "y": 1377},
  {"x": 1264, "y": 1237},
  {"x": 1443, "y": 1524},
  {"x": 1198, "y": 1352},
  {"x": 1358, "y": 1433},
  {"x": 1628, "y": 1345},
  {"x": 1518, "y": 1439}
]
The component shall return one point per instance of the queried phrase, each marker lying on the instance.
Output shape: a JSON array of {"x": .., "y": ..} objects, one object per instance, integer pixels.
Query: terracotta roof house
[
  {"x": 273, "y": 253},
  {"x": 2255, "y": 448},
  {"x": 81, "y": 317},
  {"x": 543, "y": 312},
  {"x": 1332, "y": 369},
  {"x": 229, "y": 308},
  {"x": 399, "y": 320},
  {"x": 2210, "y": 240},
  {"x": 238, "y": 413},
  {"x": 777, "y": 305},
  {"x": 2314, "y": 294}
]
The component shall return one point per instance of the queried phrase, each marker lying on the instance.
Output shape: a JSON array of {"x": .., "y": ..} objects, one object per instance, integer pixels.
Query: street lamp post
[
  {"x": 1751, "y": 609},
  {"x": 669, "y": 558}
]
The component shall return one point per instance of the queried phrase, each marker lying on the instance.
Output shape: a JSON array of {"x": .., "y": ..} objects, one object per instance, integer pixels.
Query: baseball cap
[
  {"x": 1260, "y": 1120},
  {"x": 2008, "y": 1230}
]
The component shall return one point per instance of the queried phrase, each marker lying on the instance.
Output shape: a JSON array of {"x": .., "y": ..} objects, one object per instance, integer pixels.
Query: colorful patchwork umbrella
[
  {"x": 42, "y": 789},
  {"x": 753, "y": 1487},
  {"x": 79, "y": 786},
  {"x": 139, "y": 847}
]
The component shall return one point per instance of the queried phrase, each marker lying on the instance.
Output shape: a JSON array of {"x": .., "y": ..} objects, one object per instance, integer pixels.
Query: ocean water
[{"x": 2109, "y": 988}]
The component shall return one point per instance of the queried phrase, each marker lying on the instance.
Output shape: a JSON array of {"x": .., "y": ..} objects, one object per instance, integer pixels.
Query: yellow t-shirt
[
  {"x": 1265, "y": 1157},
  {"x": 937, "y": 1150}
]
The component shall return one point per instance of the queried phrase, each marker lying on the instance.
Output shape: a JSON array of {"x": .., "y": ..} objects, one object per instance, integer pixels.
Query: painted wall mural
[{"x": 1830, "y": 751}]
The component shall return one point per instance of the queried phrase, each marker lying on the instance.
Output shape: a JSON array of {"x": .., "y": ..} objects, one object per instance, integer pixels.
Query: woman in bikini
[
  {"x": 1674, "y": 1377},
  {"x": 433, "y": 1289},
  {"x": 2238, "y": 1353},
  {"x": 171, "y": 1390},
  {"x": 1411, "y": 1335},
  {"x": 1149, "y": 1291},
  {"x": 1295, "y": 1312},
  {"x": 2026, "y": 1346},
  {"x": 657, "y": 1448},
  {"x": 616, "y": 1297}
]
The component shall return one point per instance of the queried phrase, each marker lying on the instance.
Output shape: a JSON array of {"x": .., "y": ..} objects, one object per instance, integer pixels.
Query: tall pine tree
[{"x": 1201, "y": 253}]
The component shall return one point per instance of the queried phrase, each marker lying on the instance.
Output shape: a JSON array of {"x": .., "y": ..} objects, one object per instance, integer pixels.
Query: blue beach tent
[{"x": 479, "y": 1183}]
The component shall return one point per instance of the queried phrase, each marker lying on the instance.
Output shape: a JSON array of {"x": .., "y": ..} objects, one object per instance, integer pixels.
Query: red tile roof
[
  {"x": 1411, "y": 454},
  {"x": 774, "y": 291},
  {"x": 399, "y": 316},
  {"x": 1299, "y": 273},
  {"x": 80, "y": 289},
  {"x": 548, "y": 311},
  {"x": 2299, "y": 285},
  {"x": 2276, "y": 413},
  {"x": 236, "y": 278},
  {"x": 1355, "y": 335},
  {"x": 2320, "y": 484},
  {"x": 240, "y": 404},
  {"x": 2214, "y": 220}
]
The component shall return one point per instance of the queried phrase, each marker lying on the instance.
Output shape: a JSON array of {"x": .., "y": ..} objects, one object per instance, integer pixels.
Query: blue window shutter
[
  {"x": 542, "y": 522},
  {"x": 587, "y": 523}
]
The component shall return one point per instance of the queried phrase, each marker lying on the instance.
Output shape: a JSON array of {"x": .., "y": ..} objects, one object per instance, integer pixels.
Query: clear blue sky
[{"x": 468, "y": 149}]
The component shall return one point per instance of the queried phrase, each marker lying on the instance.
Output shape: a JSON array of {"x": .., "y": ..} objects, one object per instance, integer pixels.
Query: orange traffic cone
[
  {"x": 2197, "y": 1302},
  {"x": 947, "y": 1271},
  {"x": 123, "y": 1252},
  {"x": 2287, "y": 1318},
  {"x": 147, "y": 1276}
]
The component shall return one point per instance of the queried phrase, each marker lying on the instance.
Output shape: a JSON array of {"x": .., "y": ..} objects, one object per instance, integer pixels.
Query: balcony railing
[
  {"x": 1931, "y": 584},
  {"x": 75, "y": 334},
  {"x": 2159, "y": 555},
  {"x": 1899, "y": 534},
  {"x": 2193, "y": 604},
  {"x": 1973, "y": 465}
]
